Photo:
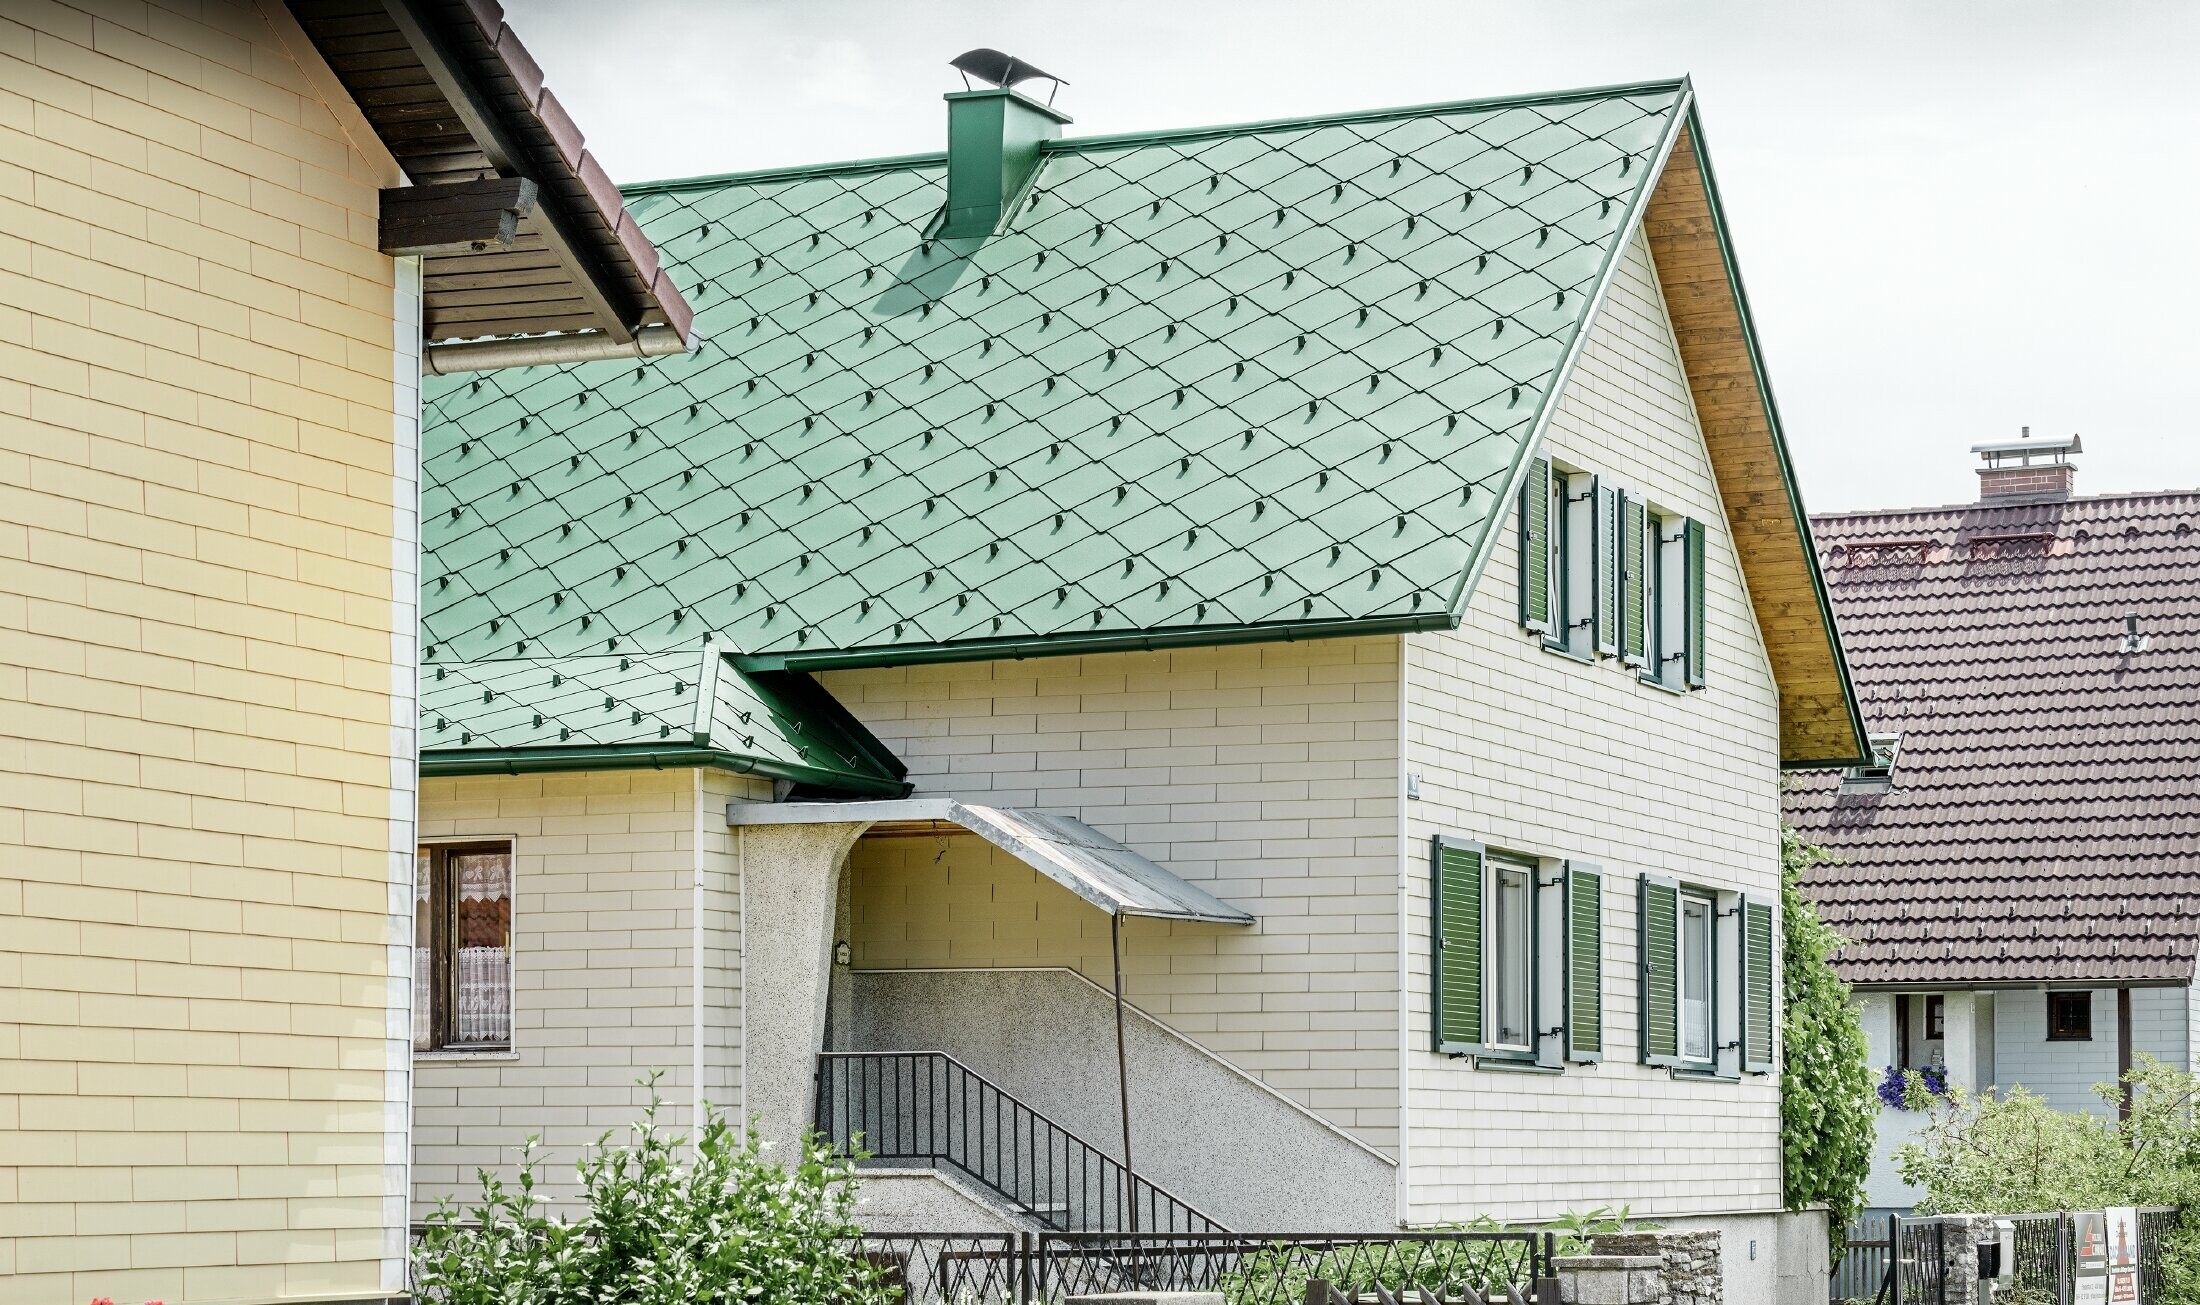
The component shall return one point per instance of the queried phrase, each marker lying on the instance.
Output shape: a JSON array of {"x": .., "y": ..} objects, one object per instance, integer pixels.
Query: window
[
  {"x": 2070, "y": 1017},
  {"x": 1707, "y": 1004},
  {"x": 1518, "y": 963},
  {"x": 462, "y": 947},
  {"x": 1512, "y": 956},
  {"x": 1696, "y": 981},
  {"x": 1672, "y": 579},
  {"x": 1886, "y": 751},
  {"x": 1603, "y": 575},
  {"x": 1936, "y": 1018}
]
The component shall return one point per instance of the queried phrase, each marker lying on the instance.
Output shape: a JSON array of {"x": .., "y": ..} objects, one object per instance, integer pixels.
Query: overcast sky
[{"x": 1954, "y": 219}]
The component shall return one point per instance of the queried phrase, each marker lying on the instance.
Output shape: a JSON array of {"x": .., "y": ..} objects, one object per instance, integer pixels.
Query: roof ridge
[
  {"x": 1119, "y": 140},
  {"x": 1925, "y": 510}
]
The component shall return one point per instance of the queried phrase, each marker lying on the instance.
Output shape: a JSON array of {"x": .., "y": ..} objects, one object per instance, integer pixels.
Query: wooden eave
[
  {"x": 455, "y": 97},
  {"x": 1820, "y": 723}
]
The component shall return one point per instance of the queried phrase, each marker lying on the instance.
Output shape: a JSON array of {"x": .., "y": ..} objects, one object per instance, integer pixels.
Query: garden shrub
[
  {"x": 1828, "y": 1113},
  {"x": 719, "y": 1225}
]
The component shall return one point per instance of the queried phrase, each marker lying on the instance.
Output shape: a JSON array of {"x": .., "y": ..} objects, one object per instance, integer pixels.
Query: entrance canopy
[{"x": 1066, "y": 850}]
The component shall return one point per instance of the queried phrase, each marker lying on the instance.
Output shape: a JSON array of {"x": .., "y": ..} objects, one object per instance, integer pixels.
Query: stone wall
[{"x": 1649, "y": 1268}]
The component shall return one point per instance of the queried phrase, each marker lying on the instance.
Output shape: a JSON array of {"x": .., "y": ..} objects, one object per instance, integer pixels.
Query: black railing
[
  {"x": 954, "y": 1268},
  {"x": 1275, "y": 1268},
  {"x": 1921, "y": 1262},
  {"x": 927, "y": 1106}
]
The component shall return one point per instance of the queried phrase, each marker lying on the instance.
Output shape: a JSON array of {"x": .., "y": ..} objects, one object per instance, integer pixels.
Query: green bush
[
  {"x": 1828, "y": 1111},
  {"x": 720, "y": 1226}
]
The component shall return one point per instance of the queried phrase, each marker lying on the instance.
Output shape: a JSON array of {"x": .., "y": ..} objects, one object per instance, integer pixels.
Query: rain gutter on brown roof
[{"x": 553, "y": 258}]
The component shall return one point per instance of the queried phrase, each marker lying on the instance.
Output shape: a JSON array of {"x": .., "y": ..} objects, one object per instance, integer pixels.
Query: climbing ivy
[{"x": 1827, "y": 1110}]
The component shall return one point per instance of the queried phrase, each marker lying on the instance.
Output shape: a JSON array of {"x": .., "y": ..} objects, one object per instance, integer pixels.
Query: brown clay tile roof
[{"x": 2043, "y": 823}]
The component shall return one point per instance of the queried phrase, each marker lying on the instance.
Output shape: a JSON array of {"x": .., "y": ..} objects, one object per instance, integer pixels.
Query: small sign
[
  {"x": 2123, "y": 1255},
  {"x": 2089, "y": 1270}
]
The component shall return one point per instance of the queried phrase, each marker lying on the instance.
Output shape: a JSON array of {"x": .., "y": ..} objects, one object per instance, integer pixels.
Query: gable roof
[
  {"x": 2043, "y": 824},
  {"x": 1264, "y": 382}
]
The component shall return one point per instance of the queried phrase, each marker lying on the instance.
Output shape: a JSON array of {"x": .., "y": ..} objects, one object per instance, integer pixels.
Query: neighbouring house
[
  {"x": 1339, "y": 579},
  {"x": 2016, "y": 869},
  {"x": 232, "y": 234}
]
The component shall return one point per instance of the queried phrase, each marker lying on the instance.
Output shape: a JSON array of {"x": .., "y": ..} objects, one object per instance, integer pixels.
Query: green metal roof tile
[{"x": 1194, "y": 383}]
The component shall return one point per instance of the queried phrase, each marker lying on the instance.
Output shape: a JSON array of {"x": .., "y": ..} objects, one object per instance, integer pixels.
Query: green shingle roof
[{"x": 1256, "y": 382}]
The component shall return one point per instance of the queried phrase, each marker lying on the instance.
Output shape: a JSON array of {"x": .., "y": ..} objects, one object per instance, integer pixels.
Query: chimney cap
[
  {"x": 2029, "y": 447},
  {"x": 1003, "y": 70}
]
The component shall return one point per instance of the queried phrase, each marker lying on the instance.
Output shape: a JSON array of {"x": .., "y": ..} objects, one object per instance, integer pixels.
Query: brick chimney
[{"x": 2027, "y": 470}]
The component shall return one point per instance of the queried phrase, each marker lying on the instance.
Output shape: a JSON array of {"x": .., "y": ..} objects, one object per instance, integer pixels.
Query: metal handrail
[{"x": 927, "y": 1106}]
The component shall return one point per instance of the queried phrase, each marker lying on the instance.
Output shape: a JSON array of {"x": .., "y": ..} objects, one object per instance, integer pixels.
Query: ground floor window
[
  {"x": 462, "y": 947},
  {"x": 2070, "y": 1017},
  {"x": 1512, "y": 951},
  {"x": 1696, "y": 977}
]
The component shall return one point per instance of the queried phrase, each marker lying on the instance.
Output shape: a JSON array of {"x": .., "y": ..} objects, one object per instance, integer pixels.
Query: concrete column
[
  {"x": 790, "y": 882},
  {"x": 1959, "y": 1041},
  {"x": 1875, "y": 1010},
  {"x": 1610, "y": 1279}
]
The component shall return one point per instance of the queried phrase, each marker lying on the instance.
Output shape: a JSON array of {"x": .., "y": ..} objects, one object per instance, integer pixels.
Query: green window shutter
[
  {"x": 1694, "y": 581},
  {"x": 1584, "y": 961},
  {"x": 1457, "y": 888},
  {"x": 1634, "y": 519},
  {"x": 1606, "y": 564},
  {"x": 1659, "y": 938},
  {"x": 1535, "y": 547},
  {"x": 1758, "y": 1006}
]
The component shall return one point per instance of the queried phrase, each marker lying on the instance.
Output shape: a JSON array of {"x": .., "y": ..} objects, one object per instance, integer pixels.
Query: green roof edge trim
[
  {"x": 524, "y": 761},
  {"x": 986, "y": 650},
  {"x": 1630, "y": 224},
  {"x": 1075, "y": 144},
  {"x": 1780, "y": 448}
]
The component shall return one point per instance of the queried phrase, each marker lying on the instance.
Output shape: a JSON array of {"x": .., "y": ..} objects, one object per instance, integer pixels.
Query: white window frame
[
  {"x": 1573, "y": 578},
  {"x": 1690, "y": 897},
  {"x": 1496, "y": 956}
]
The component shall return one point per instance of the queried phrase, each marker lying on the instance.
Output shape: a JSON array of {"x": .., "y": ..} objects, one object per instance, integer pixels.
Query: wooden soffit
[{"x": 1820, "y": 724}]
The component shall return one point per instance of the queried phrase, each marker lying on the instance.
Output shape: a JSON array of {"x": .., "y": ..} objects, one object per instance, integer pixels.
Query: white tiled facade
[
  {"x": 608, "y": 867},
  {"x": 1265, "y": 773},
  {"x": 1529, "y": 751}
]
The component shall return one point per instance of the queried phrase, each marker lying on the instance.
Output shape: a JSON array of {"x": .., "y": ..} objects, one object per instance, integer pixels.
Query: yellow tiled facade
[{"x": 207, "y": 431}]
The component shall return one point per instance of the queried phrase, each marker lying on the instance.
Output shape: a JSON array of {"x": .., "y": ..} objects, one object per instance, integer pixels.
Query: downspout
[
  {"x": 696, "y": 966},
  {"x": 568, "y": 347},
  {"x": 1405, "y": 876}
]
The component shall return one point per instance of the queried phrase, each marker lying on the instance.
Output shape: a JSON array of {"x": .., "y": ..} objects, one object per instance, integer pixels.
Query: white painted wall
[
  {"x": 2065, "y": 1072},
  {"x": 1533, "y": 752}
]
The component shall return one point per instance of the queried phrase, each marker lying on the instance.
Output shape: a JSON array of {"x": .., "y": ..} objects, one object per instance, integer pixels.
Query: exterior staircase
[{"x": 926, "y": 1107}]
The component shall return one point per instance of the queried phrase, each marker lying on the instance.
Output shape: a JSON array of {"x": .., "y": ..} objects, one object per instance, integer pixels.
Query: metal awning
[{"x": 1064, "y": 849}]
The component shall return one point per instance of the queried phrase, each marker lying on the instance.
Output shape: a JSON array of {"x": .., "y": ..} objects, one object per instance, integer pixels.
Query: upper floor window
[
  {"x": 1604, "y": 575},
  {"x": 462, "y": 947},
  {"x": 1707, "y": 1003}
]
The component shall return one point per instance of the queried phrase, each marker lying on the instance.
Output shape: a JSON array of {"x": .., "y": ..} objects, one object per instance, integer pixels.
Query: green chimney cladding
[{"x": 993, "y": 141}]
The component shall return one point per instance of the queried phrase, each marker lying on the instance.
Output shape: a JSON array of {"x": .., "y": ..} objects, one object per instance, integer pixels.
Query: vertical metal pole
[{"x": 1122, "y": 1064}]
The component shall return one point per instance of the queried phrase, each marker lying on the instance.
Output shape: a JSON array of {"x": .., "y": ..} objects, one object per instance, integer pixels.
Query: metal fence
[
  {"x": 1275, "y": 1268},
  {"x": 995, "y": 1268},
  {"x": 1896, "y": 1260}
]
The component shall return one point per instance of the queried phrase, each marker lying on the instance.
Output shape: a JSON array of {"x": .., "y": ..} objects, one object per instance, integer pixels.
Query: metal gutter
[
  {"x": 986, "y": 650},
  {"x": 534, "y": 350},
  {"x": 530, "y": 761},
  {"x": 1780, "y": 449}
]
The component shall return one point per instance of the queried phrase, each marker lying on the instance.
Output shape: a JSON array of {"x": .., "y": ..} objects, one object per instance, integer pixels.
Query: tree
[{"x": 1828, "y": 1113}]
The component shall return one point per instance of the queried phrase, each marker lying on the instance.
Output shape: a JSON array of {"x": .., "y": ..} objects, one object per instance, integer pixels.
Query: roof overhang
[
  {"x": 519, "y": 229},
  {"x": 1821, "y": 724},
  {"x": 1070, "y": 852}
]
